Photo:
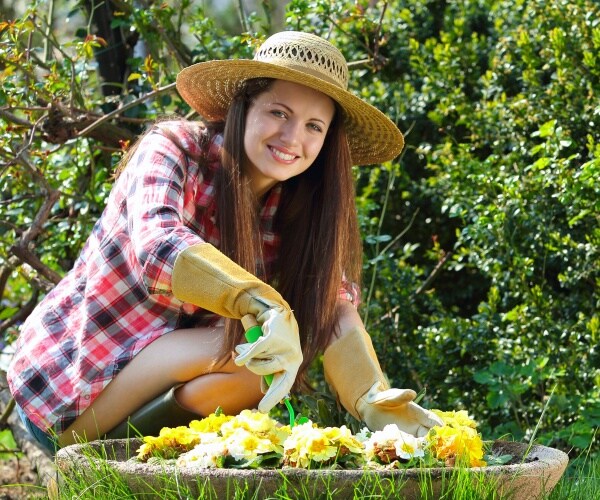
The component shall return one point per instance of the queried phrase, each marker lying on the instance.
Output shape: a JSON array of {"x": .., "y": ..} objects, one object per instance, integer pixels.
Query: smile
[{"x": 282, "y": 155}]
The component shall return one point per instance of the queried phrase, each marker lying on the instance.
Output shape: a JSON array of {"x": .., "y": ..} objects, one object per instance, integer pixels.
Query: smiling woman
[{"x": 250, "y": 212}]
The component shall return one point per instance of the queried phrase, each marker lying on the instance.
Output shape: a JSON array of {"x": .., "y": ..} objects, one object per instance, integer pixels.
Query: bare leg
[{"x": 180, "y": 357}]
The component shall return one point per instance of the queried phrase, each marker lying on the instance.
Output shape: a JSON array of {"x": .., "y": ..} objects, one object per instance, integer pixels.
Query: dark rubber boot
[{"x": 163, "y": 411}]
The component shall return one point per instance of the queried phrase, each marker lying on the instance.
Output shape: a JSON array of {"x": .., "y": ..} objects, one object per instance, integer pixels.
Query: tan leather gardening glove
[
  {"x": 209, "y": 279},
  {"x": 353, "y": 372}
]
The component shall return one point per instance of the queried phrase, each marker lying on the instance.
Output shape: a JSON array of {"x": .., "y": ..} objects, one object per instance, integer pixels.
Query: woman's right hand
[{"x": 276, "y": 352}]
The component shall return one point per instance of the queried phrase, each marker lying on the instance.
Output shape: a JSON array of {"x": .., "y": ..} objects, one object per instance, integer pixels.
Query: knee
[{"x": 232, "y": 392}]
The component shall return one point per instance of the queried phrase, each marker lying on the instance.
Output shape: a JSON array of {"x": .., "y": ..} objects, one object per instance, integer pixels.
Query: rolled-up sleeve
[{"x": 155, "y": 206}]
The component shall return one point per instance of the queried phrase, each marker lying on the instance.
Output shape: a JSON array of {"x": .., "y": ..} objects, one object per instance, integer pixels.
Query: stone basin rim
[
  {"x": 526, "y": 480},
  {"x": 539, "y": 459}
]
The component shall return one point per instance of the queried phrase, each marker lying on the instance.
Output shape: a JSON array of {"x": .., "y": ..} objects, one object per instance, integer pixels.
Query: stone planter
[{"x": 527, "y": 477}]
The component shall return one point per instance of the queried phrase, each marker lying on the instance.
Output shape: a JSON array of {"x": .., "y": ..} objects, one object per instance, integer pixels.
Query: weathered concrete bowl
[{"x": 532, "y": 474}]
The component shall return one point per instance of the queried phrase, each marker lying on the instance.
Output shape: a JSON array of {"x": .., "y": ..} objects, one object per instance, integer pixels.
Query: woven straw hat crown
[{"x": 209, "y": 88}]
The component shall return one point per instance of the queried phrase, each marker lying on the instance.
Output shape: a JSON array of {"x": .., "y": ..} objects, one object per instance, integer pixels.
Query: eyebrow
[{"x": 292, "y": 111}]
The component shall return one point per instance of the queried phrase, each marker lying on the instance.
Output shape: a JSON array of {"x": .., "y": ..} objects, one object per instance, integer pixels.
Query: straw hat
[{"x": 209, "y": 87}]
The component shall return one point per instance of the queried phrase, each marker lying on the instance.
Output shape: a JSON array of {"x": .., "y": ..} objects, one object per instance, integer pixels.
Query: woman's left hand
[
  {"x": 379, "y": 408},
  {"x": 355, "y": 376}
]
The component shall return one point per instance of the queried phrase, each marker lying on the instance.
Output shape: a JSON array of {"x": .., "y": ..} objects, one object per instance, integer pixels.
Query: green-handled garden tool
[{"x": 253, "y": 333}]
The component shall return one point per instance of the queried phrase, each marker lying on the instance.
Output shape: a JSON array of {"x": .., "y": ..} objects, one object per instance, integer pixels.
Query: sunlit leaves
[{"x": 90, "y": 43}]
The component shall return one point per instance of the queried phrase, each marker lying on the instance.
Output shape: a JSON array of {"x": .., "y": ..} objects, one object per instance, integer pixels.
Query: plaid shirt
[{"x": 117, "y": 299}]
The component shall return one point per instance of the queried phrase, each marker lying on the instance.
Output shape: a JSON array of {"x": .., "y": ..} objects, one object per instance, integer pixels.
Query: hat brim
[{"x": 209, "y": 87}]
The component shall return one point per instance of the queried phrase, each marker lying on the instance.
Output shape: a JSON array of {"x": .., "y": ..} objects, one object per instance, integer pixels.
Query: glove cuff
[
  {"x": 204, "y": 276},
  {"x": 352, "y": 369}
]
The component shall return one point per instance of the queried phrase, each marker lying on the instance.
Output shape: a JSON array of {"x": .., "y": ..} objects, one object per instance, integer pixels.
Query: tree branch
[
  {"x": 21, "y": 248},
  {"x": 23, "y": 312},
  {"x": 436, "y": 270},
  {"x": 33, "y": 260},
  {"x": 14, "y": 119},
  {"x": 39, "y": 281},
  {"x": 37, "y": 226},
  {"x": 150, "y": 95}
]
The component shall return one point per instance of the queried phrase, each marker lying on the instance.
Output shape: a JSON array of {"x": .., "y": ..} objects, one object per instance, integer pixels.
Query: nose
[{"x": 290, "y": 132}]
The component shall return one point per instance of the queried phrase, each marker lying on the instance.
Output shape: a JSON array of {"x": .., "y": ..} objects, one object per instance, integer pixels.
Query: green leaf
[
  {"x": 324, "y": 412},
  {"x": 547, "y": 129},
  {"x": 581, "y": 441},
  {"x": 371, "y": 239},
  {"x": 8, "y": 312},
  {"x": 497, "y": 399},
  {"x": 484, "y": 377},
  {"x": 541, "y": 163},
  {"x": 7, "y": 442},
  {"x": 497, "y": 459},
  {"x": 420, "y": 395},
  {"x": 581, "y": 215}
]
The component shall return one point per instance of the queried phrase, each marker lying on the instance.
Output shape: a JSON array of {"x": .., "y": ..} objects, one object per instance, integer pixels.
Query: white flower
[
  {"x": 204, "y": 456},
  {"x": 408, "y": 447},
  {"x": 245, "y": 445},
  {"x": 405, "y": 445},
  {"x": 363, "y": 435}
]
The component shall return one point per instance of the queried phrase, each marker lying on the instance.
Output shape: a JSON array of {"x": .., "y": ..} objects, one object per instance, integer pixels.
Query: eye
[
  {"x": 316, "y": 127},
  {"x": 278, "y": 113}
]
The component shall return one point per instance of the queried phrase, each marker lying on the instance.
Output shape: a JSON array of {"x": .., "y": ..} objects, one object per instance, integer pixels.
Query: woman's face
[{"x": 285, "y": 130}]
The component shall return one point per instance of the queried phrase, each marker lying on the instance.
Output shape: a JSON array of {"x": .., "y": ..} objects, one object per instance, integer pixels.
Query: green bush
[
  {"x": 506, "y": 172},
  {"x": 482, "y": 241}
]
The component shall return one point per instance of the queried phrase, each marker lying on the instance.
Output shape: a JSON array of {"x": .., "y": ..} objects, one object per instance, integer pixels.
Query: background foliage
[{"x": 482, "y": 241}]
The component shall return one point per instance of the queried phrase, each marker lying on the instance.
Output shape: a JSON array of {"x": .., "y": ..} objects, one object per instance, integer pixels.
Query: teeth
[{"x": 282, "y": 155}]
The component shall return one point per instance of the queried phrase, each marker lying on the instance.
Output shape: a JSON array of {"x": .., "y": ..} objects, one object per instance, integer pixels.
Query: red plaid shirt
[{"x": 117, "y": 299}]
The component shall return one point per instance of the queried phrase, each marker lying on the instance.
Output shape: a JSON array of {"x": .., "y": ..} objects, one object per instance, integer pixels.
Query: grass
[
  {"x": 99, "y": 480},
  {"x": 580, "y": 482}
]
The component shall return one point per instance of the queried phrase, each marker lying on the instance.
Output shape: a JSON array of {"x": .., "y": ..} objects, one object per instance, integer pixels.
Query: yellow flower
[
  {"x": 344, "y": 439},
  {"x": 319, "y": 448},
  {"x": 279, "y": 435},
  {"x": 252, "y": 421},
  {"x": 304, "y": 444},
  {"x": 457, "y": 445},
  {"x": 179, "y": 435},
  {"x": 208, "y": 442},
  {"x": 212, "y": 423},
  {"x": 265, "y": 430},
  {"x": 456, "y": 419},
  {"x": 409, "y": 448},
  {"x": 308, "y": 444},
  {"x": 171, "y": 441},
  {"x": 458, "y": 441},
  {"x": 147, "y": 449}
]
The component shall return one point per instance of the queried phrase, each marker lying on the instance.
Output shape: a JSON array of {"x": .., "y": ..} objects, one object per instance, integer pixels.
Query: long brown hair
[{"x": 317, "y": 222}]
